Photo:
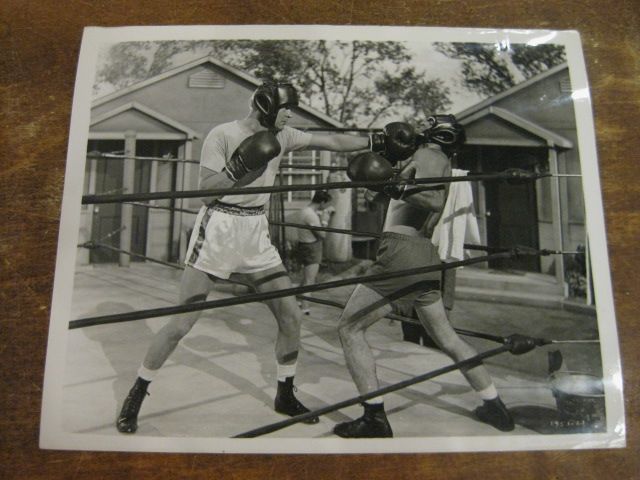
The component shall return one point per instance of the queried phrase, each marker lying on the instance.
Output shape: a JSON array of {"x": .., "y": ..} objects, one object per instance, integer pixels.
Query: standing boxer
[
  {"x": 231, "y": 234},
  {"x": 406, "y": 243}
]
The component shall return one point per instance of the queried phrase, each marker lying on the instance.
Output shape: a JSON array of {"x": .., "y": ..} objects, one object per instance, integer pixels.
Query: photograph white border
[{"x": 52, "y": 436}]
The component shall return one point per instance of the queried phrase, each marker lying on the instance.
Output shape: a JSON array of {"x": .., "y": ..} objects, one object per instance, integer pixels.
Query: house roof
[
  {"x": 550, "y": 137},
  {"x": 487, "y": 107},
  {"x": 208, "y": 59},
  {"x": 190, "y": 133},
  {"x": 507, "y": 93}
]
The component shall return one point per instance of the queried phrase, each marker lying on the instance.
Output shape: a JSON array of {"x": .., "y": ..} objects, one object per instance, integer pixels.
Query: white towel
[{"x": 457, "y": 224}]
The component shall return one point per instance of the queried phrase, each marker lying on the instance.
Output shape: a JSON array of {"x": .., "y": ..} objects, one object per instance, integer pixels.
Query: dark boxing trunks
[{"x": 402, "y": 252}]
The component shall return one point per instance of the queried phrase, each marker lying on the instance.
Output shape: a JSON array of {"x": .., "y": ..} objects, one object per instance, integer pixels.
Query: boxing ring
[{"x": 246, "y": 329}]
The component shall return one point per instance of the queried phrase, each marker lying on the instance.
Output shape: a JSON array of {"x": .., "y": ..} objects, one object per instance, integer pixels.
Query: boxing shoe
[
  {"x": 373, "y": 424},
  {"x": 128, "y": 419},
  {"x": 495, "y": 413},
  {"x": 286, "y": 402}
]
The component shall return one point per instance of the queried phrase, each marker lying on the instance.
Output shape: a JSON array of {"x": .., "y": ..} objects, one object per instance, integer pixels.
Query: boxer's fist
[
  {"x": 252, "y": 154},
  {"x": 397, "y": 191},
  {"x": 369, "y": 166},
  {"x": 397, "y": 142}
]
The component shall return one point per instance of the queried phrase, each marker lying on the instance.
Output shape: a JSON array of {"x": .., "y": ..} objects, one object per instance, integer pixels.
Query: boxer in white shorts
[{"x": 231, "y": 233}]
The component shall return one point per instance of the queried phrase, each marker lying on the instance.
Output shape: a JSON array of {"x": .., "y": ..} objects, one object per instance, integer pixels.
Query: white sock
[
  {"x": 488, "y": 393},
  {"x": 285, "y": 371},
  {"x": 146, "y": 374},
  {"x": 375, "y": 400}
]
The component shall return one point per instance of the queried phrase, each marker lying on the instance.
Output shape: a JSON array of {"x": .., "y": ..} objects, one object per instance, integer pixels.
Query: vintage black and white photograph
[{"x": 314, "y": 239}]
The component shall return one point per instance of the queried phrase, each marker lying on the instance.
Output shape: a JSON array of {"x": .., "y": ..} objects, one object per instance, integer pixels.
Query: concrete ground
[{"x": 221, "y": 379}]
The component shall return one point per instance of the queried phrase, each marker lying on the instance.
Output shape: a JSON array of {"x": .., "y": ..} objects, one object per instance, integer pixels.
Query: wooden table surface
[{"x": 39, "y": 46}]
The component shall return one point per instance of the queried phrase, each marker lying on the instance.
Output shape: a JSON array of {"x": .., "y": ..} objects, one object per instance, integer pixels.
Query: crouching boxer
[
  {"x": 411, "y": 216},
  {"x": 231, "y": 236}
]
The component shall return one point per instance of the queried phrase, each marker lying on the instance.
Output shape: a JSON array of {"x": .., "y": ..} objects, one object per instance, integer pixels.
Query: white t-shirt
[{"x": 223, "y": 140}]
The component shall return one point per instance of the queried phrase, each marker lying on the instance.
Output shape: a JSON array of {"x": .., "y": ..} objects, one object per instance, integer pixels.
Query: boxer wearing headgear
[
  {"x": 231, "y": 236},
  {"x": 269, "y": 98},
  {"x": 443, "y": 130},
  {"x": 406, "y": 243}
]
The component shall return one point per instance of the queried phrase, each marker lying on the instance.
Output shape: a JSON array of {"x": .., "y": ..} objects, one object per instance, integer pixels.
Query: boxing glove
[
  {"x": 398, "y": 191},
  {"x": 369, "y": 166},
  {"x": 397, "y": 142},
  {"x": 252, "y": 154}
]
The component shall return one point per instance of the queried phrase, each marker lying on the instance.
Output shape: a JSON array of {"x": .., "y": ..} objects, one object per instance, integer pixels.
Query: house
[
  {"x": 531, "y": 126},
  {"x": 168, "y": 116}
]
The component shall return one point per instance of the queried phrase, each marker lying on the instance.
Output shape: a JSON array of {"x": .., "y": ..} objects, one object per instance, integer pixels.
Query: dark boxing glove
[
  {"x": 397, "y": 142},
  {"x": 369, "y": 166},
  {"x": 397, "y": 192},
  {"x": 252, "y": 154}
]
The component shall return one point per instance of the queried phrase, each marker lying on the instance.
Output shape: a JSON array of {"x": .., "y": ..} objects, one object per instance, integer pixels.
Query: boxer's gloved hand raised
[
  {"x": 252, "y": 154},
  {"x": 397, "y": 142},
  {"x": 369, "y": 166}
]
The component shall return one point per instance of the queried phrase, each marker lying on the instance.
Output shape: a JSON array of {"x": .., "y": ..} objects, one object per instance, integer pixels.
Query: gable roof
[
  {"x": 208, "y": 59},
  {"x": 190, "y": 133},
  {"x": 550, "y": 137},
  {"x": 507, "y": 93}
]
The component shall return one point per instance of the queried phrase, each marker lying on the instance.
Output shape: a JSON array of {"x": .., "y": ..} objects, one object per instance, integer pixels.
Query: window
[{"x": 293, "y": 176}]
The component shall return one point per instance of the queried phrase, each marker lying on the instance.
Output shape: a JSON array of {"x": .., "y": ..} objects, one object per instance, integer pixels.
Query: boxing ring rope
[
  {"x": 461, "y": 331},
  {"x": 288, "y": 292},
  {"x": 467, "y": 246},
  {"x": 92, "y": 245},
  {"x": 516, "y": 344},
  {"x": 355, "y": 233},
  {"x": 508, "y": 175},
  {"x": 330, "y": 168},
  {"x": 294, "y": 291},
  {"x": 403, "y": 319},
  {"x": 470, "y": 333},
  {"x": 115, "y": 156}
]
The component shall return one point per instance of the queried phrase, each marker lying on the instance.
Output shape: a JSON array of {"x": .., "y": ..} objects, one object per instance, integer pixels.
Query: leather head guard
[
  {"x": 271, "y": 97},
  {"x": 444, "y": 130}
]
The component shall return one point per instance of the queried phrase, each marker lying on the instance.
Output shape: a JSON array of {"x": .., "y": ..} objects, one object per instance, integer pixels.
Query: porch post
[
  {"x": 128, "y": 175},
  {"x": 556, "y": 214},
  {"x": 180, "y": 230}
]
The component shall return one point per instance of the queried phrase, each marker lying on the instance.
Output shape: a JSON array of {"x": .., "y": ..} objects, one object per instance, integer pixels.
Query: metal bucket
[{"x": 579, "y": 399}]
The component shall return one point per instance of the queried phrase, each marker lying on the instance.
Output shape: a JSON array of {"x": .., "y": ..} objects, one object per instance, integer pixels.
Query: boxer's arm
[
  {"x": 210, "y": 180},
  {"x": 337, "y": 142},
  {"x": 428, "y": 166},
  {"x": 312, "y": 219}
]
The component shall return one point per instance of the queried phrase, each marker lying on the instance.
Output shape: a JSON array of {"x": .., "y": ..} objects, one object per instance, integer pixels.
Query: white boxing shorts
[{"x": 229, "y": 239}]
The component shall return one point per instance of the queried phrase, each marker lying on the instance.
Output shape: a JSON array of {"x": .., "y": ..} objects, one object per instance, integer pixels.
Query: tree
[
  {"x": 357, "y": 83},
  {"x": 489, "y": 70},
  {"x": 534, "y": 60}
]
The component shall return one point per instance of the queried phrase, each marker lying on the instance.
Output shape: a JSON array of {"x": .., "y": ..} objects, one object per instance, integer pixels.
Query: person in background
[{"x": 310, "y": 242}]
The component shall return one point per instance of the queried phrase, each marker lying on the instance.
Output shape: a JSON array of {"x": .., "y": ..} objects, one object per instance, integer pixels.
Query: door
[
  {"x": 106, "y": 217},
  {"x": 511, "y": 210}
]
